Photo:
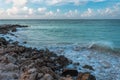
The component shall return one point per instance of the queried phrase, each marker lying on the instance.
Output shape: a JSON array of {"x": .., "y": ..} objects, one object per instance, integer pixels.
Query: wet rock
[
  {"x": 76, "y": 64},
  {"x": 33, "y": 76},
  {"x": 3, "y": 41},
  {"x": 85, "y": 76},
  {"x": 7, "y": 28},
  {"x": 40, "y": 75},
  {"x": 14, "y": 30},
  {"x": 88, "y": 67},
  {"x": 68, "y": 77},
  {"x": 63, "y": 61},
  {"x": 15, "y": 76},
  {"x": 8, "y": 67},
  {"x": 33, "y": 70},
  {"x": 15, "y": 43},
  {"x": 10, "y": 58},
  {"x": 23, "y": 63},
  {"x": 71, "y": 72},
  {"x": 24, "y": 42},
  {"x": 47, "y": 70},
  {"x": 24, "y": 76},
  {"x": 47, "y": 77}
]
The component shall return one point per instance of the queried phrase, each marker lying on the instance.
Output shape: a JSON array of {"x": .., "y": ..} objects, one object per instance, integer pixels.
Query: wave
[{"x": 103, "y": 46}]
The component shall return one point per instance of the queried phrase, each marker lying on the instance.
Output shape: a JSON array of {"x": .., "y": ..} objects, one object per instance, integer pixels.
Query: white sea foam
[{"x": 106, "y": 65}]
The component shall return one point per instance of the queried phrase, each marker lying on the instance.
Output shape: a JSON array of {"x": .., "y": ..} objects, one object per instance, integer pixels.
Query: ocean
[{"x": 92, "y": 42}]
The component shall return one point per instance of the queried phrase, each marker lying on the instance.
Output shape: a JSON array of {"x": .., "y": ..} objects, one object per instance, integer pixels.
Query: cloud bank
[{"x": 59, "y": 9}]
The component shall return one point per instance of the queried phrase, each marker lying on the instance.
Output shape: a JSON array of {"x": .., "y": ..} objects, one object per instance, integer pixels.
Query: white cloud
[
  {"x": 104, "y": 12},
  {"x": 23, "y": 11},
  {"x": 42, "y": 10},
  {"x": 17, "y": 3},
  {"x": 62, "y": 2},
  {"x": 88, "y": 13},
  {"x": 50, "y": 13},
  {"x": 1, "y": 11},
  {"x": 75, "y": 2},
  {"x": 12, "y": 11},
  {"x": 25, "y": 8},
  {"x": 110, "y": 11},
  {"x": 98, "y": 0},
  {"x": 36, "y": 1},
  {"x": 72, "y": 14},
  {"x": 30, "y": 11},
  {"x": 58, "y": 10}
]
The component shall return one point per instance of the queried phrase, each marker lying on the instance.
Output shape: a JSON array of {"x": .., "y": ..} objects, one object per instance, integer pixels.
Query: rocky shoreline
[{"x": 24, "y": 63}]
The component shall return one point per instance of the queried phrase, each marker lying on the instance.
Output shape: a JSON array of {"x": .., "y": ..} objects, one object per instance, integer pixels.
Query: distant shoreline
[{"x": 59, "y": 19}]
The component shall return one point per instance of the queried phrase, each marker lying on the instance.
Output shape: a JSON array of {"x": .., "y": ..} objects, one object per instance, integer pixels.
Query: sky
[{"x": 59, "y": 9}]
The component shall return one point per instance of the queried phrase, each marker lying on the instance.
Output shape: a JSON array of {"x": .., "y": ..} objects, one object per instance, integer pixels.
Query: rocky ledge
[
  {"x": 24, "y": 63},
  {"x": 8, "y": 27}
]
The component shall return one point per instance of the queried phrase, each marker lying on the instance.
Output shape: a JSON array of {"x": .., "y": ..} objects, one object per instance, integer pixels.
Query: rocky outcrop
[
  {"x": 24, "y": 63},
  {"x": 6, "y": 28},
  {"x": 88, "y": 67}
]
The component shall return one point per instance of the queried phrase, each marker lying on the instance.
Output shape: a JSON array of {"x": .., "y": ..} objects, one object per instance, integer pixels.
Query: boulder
[
  {"x": 47, "y": 77},
  {"x": 68, "y": 77},
  {"x": 3, "y": 41},
  {"x": 71, "y": 72},
  {"x": 85, "y": 76},
  {"x": 88, "y": 67},
  {"x": 62, "y": 60}
]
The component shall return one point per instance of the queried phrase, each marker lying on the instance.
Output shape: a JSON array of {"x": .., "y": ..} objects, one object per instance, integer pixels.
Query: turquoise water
[
  {"x": 47, "y": 32},
  {"x": 92, "y": 42}
]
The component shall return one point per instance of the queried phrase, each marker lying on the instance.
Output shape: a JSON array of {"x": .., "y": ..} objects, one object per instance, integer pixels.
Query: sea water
[{"x": 92, "y": 42}]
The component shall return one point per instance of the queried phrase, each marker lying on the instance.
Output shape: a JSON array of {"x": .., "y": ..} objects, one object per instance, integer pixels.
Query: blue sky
[{"x": 59, "y": 9}]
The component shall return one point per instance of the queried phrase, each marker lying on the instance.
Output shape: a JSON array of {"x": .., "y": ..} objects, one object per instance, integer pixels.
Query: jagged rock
[
  {"x": 33, "y": 70},
  {"x": 33, "y": 76},
  {"x": 47, "y": 77},
  {"x": 85, "y": 76},
  {"x": 40, "y": 75},
  {"x": 68, "y": 77},
  {"x": 8, "y": 67},
  {"x": 71, "y": 72},
  {"x": 6, "y": 28},
  {"x": 24, "y": 76},
  {"x": 10, "y": 58},
  {"x": 88, "y": 67},
  {"x": 3, "y": 41},
  {"x": 47, "y": 70},
  {"x": 25, "y": 63},
  {"x": 63, "y": 61}
]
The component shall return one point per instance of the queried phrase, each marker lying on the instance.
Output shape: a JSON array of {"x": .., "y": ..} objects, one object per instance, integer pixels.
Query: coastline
[{"x": 24, "y": 63}]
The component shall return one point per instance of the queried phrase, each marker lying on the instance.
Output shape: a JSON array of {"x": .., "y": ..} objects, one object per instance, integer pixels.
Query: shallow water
[{"x": 92, "y": 42}]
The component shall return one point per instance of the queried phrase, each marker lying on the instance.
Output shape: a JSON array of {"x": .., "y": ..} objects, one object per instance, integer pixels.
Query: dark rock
[
  {"x": 63, "y": 61},
  {"x": 88, "y": 67},
  {"x": 76, "y": 64},
  {"x": 47, "y": 77},
  {"x": 14, "y": 30},
  {"x": 10, "y": 58},
  {"x": 71, "y": 72},
  {"x": 33, "y": 76},
  {"x": 3, "y": 41},
  {"x": 27, "y": 62},
  {"x": 85, "y": 76},
  {"x": 7, "y": 28},
  {"x": 24, "y": 42},
  {"x": 15, "y": 43},
  {"x": 68, "y": 77},
  {"x": 47, "y": 70},
  {"x": 40, "y": 75}
]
